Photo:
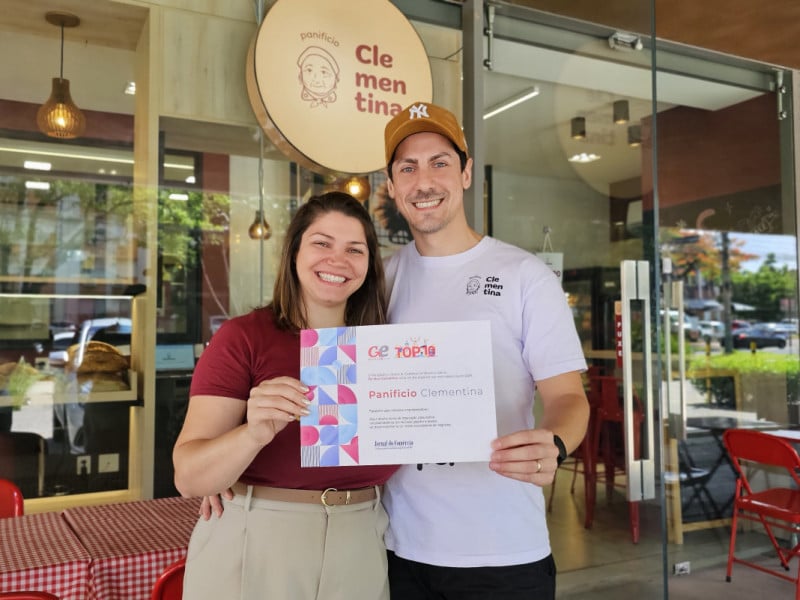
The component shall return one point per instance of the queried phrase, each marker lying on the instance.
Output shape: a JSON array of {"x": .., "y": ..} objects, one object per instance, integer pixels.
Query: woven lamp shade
[
  {"x": 59, "y": 117},
  {"x": 358, "y": 188}
]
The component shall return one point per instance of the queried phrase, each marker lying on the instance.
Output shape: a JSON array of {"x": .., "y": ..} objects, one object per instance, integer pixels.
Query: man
[
  {"x": 477, "y": 530},
  {"x": 473, "y": 531}
]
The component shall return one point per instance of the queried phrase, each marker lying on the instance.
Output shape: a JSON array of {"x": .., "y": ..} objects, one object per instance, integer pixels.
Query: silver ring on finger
[{"x": 538, "y": 466}]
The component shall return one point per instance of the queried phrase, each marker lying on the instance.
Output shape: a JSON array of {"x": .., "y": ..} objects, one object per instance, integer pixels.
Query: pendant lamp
[
  {"x": 634, "y": 136},
  {"x": 358, "y": 188},
  {"x": 260, "y": 229},
  {"x": 59, "y": 117},
  {"x": 621, "y": 112},
  {"x": 578, "y": 128}
]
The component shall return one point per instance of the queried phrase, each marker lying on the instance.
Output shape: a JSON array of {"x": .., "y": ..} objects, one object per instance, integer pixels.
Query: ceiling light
[
  {"x": 511, "y": 102},
  {"x": 130, "y": 88},
  {"x": 583, "y": 157},
  {"x": 58, "y": 117},
  {"x": 36, "y": 165},
  {"x": 177, "y": 196},
  {"x": 105, "y": 156},
  {"x": 191, "y": 179},
  {"x": 182, "y": 166},
  {"x": 37, "y": 185},
  {"x": 634, "y": 136},
  {"x": 578, "y": 128},
  {"x": 621, "y": 112}
]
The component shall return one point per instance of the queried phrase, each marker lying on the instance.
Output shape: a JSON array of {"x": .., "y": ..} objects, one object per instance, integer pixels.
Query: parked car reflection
[
  {"x": 787, "y": 326},
  {"x": 712, "y": 330},
  {"x": 739, "y": 324},
  {"x": 763, "y": 335}
]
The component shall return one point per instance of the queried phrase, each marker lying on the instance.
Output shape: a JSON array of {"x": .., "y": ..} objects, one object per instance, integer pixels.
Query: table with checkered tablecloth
[
  {"x": 131, "y": 543},
  {"x": 39, "y": 552}
]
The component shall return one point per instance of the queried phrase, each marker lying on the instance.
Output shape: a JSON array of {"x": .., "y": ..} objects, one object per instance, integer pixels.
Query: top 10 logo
[{"x": 413, "y": 348}]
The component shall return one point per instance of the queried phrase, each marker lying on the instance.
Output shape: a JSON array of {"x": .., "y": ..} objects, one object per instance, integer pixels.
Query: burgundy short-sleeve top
[{"x": 245, "y": 351}]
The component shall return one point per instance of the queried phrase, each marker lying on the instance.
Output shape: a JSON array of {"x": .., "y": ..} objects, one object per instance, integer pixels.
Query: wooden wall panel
[
  {"x": 203, "y": 68},
  {"x": 704, "y": 154},
  {"x": 764, "y": 31}
]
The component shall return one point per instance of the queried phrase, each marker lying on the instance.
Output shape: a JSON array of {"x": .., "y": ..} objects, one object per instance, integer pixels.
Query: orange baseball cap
[{"x": 422, "y": 117}]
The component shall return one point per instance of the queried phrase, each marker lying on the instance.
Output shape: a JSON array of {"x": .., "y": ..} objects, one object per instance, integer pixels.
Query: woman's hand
[
  {"x": 272, "y": 405},
  {"x": 213, "y": 504},
  {"x": 221, "y": 436}
]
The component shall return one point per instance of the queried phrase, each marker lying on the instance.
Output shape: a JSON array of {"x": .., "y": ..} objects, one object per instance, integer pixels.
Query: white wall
[{"x": 576, "y": 214}]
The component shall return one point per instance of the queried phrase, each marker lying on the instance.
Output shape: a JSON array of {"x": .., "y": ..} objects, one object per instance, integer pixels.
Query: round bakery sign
[{"x": 324, "y": 78}]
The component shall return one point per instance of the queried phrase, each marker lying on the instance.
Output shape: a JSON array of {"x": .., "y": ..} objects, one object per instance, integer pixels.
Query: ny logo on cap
[{"x": 418, "y": 111}]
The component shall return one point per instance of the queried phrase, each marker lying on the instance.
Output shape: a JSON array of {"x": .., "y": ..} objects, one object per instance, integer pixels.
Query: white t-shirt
[{"x": 465, "y": 515}]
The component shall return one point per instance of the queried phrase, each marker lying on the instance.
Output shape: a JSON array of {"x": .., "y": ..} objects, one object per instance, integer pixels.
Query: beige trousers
[{"x": 289, "y": 551}]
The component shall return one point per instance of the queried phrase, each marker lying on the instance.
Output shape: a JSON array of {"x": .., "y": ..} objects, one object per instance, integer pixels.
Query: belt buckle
[{"x": 325, "y": 493}]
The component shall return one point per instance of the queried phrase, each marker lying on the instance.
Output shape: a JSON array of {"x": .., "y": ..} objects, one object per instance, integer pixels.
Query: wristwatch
[{"x": 562, "y": 449}]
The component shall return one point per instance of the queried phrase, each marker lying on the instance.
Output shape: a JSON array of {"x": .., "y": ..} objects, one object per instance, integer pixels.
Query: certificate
[{"x": 398, "y": 394}]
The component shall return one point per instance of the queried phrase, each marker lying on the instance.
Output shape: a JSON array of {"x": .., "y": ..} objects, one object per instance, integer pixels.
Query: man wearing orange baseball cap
[
  {"x": 459, "y": 530},
  {"x": 422, "y": 117}
]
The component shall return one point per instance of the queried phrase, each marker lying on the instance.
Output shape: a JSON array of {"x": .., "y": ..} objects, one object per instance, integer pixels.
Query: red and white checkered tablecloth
[
  {"x": 40, "y": 552},
  {"x": 130, "y": 544}
]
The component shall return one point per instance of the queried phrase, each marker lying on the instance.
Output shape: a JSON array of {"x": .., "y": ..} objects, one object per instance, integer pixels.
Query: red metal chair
[
  {"x": 606, "y": 422},
  {"x": 12, "y": 504},
  {"x": 169, "y": 585},
  {"x": 775, "y": 507},
  {"x": 602, "y": 443},
  {"x": 577, "y": 461},
  {"x": 27, "y": 596}
]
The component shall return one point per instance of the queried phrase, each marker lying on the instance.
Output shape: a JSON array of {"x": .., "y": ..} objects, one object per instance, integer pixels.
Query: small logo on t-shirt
[
  {"x": 473, "y": 285},
  {"x": 488, "y": 286}
]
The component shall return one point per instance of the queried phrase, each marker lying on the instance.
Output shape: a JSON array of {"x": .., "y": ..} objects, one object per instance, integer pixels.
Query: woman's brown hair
[{"x": 367, "y": 305}]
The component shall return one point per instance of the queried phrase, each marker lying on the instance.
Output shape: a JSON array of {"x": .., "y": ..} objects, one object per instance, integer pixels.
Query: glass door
[
  {"x": 565, "y": 169},
  {"x": 658, "y": 208},
  {"x": 727, "y": 236}
]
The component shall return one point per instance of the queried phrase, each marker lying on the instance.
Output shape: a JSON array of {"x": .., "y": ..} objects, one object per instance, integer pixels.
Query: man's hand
[{"x": 528, "y": 455}]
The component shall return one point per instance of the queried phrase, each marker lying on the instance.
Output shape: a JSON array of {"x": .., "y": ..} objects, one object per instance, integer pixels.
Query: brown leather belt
[{"x": 328, "y": 497}]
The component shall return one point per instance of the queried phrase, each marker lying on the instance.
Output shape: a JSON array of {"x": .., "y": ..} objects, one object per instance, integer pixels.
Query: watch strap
[{"x": 562, "y": 449}]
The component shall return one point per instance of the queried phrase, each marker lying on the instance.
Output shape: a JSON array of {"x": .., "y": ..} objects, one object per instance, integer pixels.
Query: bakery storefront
[{"x": 153, "y": 206}]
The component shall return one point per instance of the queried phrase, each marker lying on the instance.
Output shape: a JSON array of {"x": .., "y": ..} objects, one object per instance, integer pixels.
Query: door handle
[
  {"x": 635, "y": 288},
  {"x": 673, "y": 300}
]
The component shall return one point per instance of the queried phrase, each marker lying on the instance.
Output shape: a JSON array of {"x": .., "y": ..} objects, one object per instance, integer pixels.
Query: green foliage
[
  {"x": 786, "y": 366},
  {"x": 180, "y": 221},
  {"x": 747, "y": 362},
  {"x": 721, "y": 389},
  {"x": 765, "y": 289}
]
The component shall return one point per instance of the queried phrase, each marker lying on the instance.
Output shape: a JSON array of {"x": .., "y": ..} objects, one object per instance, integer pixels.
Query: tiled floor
[{"x": 602, "y": 563}]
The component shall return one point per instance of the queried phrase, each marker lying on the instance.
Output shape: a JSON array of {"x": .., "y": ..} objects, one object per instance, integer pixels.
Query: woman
[{"x": 284, "y": 534}]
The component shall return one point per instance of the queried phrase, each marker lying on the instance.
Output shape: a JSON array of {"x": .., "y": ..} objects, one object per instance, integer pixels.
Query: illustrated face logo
[
  {"x": 318, "y": 76},
  {"x": 473, "y": 285}
]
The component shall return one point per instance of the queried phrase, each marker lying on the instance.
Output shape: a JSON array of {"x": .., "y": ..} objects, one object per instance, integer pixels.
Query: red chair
[
  {"x": 606, "y": 423},
  {"x": 12, "y": 504},
  {"x": 775, "y": 507},
  {"x": 577, "y": 461},
  {"x": 169, "y": 585},
  {"x": 28, "y": 596}
]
